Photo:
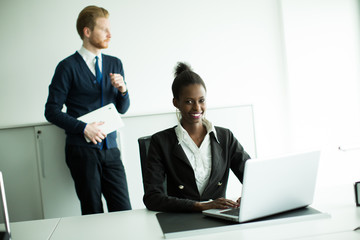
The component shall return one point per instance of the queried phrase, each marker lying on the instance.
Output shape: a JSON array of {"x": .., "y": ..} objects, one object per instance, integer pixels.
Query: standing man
[{"x": 85, "y": 81}]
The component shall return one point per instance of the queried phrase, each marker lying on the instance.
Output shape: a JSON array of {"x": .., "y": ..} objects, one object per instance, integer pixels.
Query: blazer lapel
[
  {"x": 217, "y": 166},
  {"x": 179, "y": 153},
  {"x": 217, "y": 156}
]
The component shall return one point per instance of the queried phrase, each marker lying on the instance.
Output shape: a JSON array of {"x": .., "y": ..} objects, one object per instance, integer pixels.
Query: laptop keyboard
[{"x": 233, "y": 212}]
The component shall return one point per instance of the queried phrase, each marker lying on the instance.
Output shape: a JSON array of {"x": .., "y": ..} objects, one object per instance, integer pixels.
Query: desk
[
  {"x": 142, "y": 224},
  {"x": 34, "y": 230}
]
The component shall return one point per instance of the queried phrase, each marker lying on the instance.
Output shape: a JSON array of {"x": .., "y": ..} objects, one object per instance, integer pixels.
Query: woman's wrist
[
  {"x": 201, "y": 206},
  {"x": 198, "y": 206}
]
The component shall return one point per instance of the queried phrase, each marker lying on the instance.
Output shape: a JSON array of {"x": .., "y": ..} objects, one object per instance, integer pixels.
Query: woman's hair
[
  {"x": 87, "y": 18},
  {"x": 184, "y": 76}
]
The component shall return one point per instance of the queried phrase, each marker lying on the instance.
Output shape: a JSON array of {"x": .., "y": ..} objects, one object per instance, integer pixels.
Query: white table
[
  {"x": 34, "y": 230},
  {"x": 142, "y": 224}
]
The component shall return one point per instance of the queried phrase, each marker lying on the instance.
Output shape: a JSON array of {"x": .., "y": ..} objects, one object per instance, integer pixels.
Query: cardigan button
[
  {"x": 219, "y": 184},
  {"x": 181, "y": 187}
]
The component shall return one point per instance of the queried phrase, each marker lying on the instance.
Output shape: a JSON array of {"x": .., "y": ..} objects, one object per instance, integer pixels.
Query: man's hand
[
  {"x": 118, "y": 81},
  {"x": 93, "y": 132}
]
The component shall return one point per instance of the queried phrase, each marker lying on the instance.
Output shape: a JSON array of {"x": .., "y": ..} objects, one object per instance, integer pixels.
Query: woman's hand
[{"x": 220, "y": 203}]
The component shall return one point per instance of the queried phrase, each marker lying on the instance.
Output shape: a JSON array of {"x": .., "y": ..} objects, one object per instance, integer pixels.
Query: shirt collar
[
  {"x": 87, "y": 55},
  {"x": 180, "y": 131}
]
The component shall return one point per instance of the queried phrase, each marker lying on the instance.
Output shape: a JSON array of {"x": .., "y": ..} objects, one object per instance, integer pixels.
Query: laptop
[
  {"x": 4, "y": 235},
  {"x": 274, "y": 185}
]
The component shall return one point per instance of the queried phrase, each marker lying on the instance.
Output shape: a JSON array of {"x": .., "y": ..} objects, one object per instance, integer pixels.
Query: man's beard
[{"x": 100, "y": 44}]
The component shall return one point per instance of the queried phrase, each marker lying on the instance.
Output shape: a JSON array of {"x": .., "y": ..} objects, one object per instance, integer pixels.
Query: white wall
[
  {"x": 322, "y": 53},
  {"x": 236, "y": 46},
  {"x": 323, "y": 58},
  {"x": 296, "y": 61}
]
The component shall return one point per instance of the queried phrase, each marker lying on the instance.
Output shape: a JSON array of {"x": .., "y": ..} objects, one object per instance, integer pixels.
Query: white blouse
[{"x": 199, "y": 157}]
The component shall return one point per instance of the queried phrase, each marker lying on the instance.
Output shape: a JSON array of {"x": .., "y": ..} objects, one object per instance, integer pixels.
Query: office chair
[{"x": 144, "y": 143}]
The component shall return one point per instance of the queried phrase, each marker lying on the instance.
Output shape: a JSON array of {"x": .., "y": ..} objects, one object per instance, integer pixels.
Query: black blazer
[{"x": 169, "y": 181}]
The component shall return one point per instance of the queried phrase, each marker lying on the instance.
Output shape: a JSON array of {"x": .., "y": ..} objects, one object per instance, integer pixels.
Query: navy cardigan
[{"x": 74, "y": 85}]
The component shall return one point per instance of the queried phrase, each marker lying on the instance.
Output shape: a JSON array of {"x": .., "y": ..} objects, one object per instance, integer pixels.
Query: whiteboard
[{"x": 239, "y": 119}]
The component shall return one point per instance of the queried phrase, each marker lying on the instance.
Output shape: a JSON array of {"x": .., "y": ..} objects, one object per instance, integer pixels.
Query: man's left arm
[
  {"x": 122, "y": 102},
  {"x": 118, "y": 81}
]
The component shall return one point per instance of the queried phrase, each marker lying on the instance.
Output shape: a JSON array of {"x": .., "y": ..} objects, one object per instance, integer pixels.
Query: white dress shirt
[
  {"x": 199, "y": 157},
  {"x": 89, "y": 59}
]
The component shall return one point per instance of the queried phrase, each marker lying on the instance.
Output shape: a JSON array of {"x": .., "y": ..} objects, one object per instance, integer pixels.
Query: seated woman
[{"x": 188, "y": 165}]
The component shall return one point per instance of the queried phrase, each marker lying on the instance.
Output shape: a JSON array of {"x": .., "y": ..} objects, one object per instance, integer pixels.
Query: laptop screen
[
  {"x": 3, "y": 209},
  {"x": 273, "y": 185}
]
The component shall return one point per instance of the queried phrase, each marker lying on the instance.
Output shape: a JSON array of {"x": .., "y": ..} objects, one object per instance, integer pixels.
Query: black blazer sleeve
[
  {"x": 235, "y": 152},
  {"x": 158, "y": 177}
]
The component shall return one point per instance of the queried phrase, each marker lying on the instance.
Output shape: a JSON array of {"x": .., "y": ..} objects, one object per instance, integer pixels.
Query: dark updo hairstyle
[{"x": 184, "y": 76}]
